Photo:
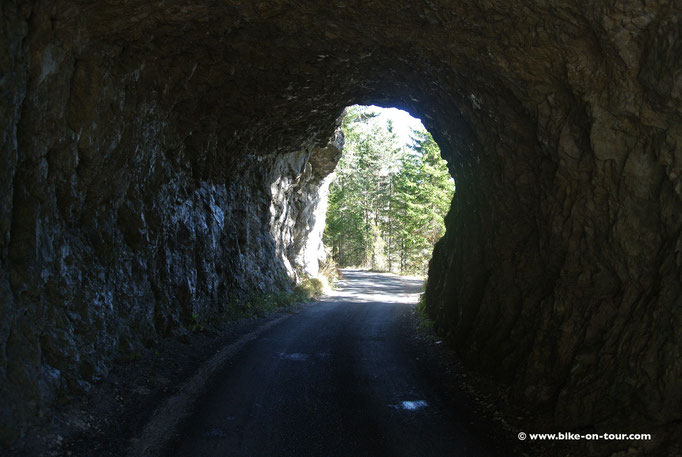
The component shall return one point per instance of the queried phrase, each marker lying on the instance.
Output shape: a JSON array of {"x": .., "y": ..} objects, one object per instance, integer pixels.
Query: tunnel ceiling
[
  {"x": 159, "y": 158},
  {"x": 262, "y": 67}
]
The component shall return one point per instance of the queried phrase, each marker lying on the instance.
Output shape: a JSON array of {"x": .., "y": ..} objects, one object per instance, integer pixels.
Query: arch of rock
[{"x": 162, "y": 160}]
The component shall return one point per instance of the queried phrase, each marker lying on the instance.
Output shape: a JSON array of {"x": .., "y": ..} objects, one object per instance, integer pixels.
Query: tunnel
[{"x": 165, "y": 160}]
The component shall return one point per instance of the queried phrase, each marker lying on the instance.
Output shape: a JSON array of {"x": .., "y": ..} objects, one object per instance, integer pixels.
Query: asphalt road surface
[{"x": 336, "y": 379}]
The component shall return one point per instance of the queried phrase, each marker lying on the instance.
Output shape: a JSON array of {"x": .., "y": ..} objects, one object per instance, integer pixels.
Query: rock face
[
  {"x": 159, "y": 161},
  {"x": 299, "y": 189}
]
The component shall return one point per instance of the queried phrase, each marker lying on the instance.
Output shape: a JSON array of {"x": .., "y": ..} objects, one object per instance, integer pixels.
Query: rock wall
[
  {"x": 299, "y": 189},
  {"x": 152, "y": 173},
  {"x": 561, "y": 269},
  {"x": 123, "y": 221}
]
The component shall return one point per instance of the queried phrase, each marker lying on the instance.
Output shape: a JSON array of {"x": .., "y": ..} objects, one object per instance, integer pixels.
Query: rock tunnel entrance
[{"x": 158, "y": 160}]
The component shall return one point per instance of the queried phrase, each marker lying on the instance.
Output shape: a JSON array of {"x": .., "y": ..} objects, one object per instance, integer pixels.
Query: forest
[{"x": 389, "y": 197}]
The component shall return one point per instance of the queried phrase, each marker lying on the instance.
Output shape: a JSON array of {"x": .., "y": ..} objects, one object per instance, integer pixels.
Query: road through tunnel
[{"x": 163, "y": 161}]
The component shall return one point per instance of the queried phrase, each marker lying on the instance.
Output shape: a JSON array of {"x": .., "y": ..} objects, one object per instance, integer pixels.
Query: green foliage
[
  {"x": 357, "y": 198},
  {"x": 310, "y": 289},
  {"x": 263, "y": 303},
  {"x": 196, "y": 324},
  {"x": 424, "y": 320},
  {"x": 259, "y": 304},
  {"x": 329, "y": 271},
  {"x": 387, "y": 202}
]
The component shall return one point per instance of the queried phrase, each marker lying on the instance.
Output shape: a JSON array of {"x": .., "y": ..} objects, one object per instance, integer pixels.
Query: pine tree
[{"x": 387, "y": 202}]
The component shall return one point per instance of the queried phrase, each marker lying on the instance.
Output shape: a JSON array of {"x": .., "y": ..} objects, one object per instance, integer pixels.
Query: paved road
[{"x": 337, "y": 379}]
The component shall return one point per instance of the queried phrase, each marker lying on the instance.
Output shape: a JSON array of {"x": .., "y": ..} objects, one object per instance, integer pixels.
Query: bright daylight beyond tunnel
[{"x": 389, "y": 195}]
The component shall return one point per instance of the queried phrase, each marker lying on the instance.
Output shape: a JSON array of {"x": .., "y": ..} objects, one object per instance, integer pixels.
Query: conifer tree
[{"x": 387, "y": 201}]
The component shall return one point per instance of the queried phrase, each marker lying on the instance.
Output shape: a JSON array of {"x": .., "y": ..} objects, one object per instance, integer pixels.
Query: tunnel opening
[{"x": 389, "y": 193}]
